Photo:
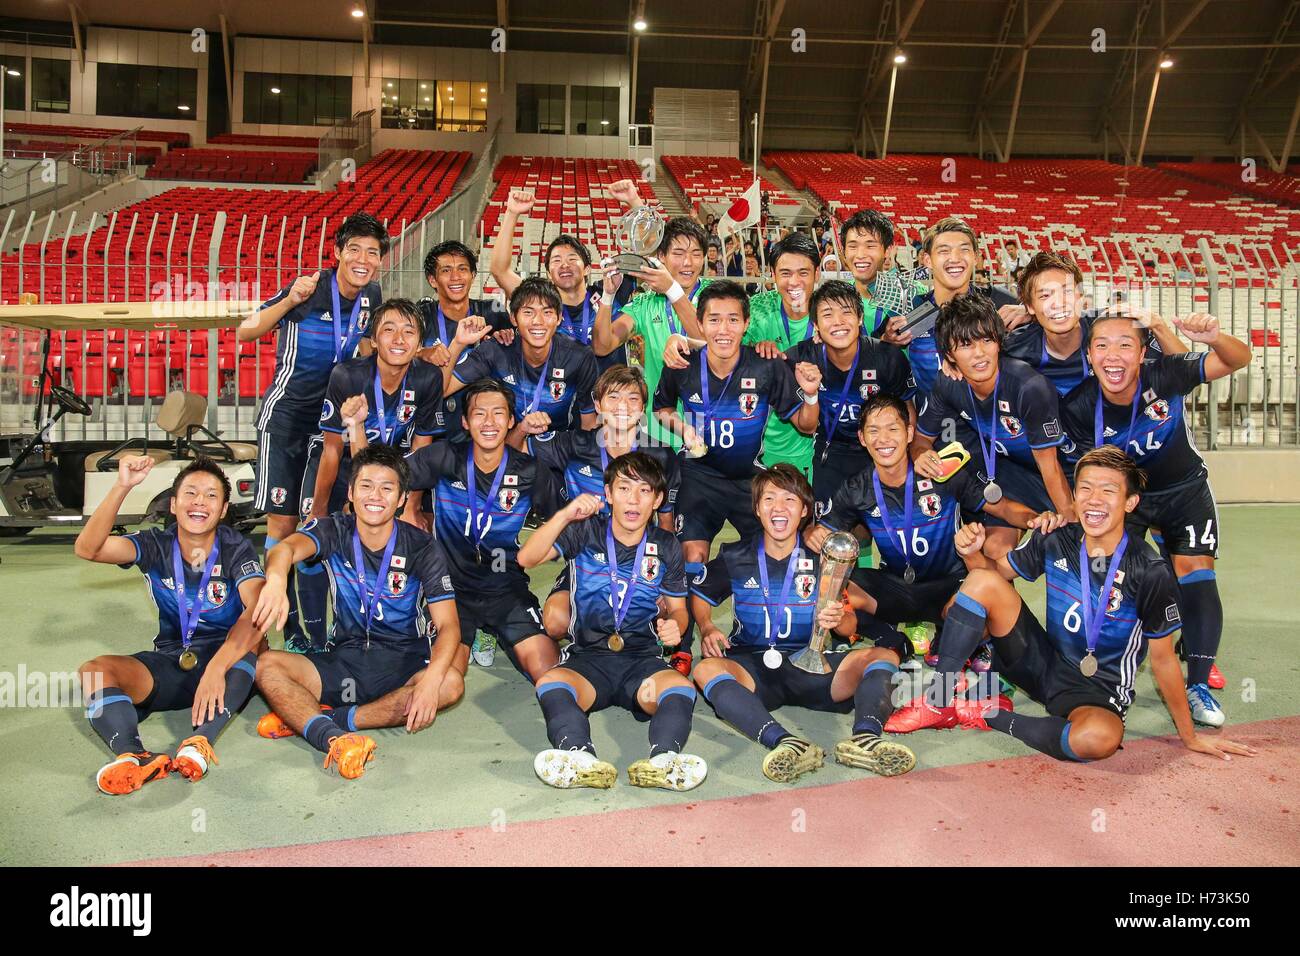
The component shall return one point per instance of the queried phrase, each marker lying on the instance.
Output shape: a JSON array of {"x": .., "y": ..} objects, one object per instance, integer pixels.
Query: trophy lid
[
  {"x": 640, "y": 231},
  {"x": 841, "y": 546}
]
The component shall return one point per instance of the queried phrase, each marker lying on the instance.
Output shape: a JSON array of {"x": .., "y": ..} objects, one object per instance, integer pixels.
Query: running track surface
[{"x": 1180, "y": 808}]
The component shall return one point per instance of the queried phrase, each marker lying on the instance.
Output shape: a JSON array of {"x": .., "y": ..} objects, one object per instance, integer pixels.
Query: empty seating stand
[
  {"x": 234, "y": 166},
  {"x": 719, "y": 180},
  {"x": 252, "y": 139},
  {"x": 168, "y": 138}
]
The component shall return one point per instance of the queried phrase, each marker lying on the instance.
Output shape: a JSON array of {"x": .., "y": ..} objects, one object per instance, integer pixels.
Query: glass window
[
  {"x": 594, "y": 110},
  {"x": 15, "y": 80},
  {"x": 461, "y": 105},
  {"x": 454, "y": 105},
  {"x": 294, "y": 99},
  {"x": 539, "y": 108},
  {"x": 51, "y": 85},
  {"x": 156, "y": 92}
]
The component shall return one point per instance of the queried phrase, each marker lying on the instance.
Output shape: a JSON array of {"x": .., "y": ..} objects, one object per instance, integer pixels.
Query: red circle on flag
[{"x": 739, "y": 210}]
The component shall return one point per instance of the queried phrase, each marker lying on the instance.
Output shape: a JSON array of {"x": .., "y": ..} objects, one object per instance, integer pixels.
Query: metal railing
[
  {"x": 349, "y": 140},
  {"x": 57, "y": 177}
]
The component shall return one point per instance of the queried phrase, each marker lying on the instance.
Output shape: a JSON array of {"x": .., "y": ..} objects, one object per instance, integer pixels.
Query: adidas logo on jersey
[
  {"x": 586, "y": 470},
  {"x": 1061, "y": 564},
  {"x": 1109, "y": 432},
  {"x": 751, "y": 583},
  {"x": 458, "y": 485},
  {"x": 509, "y": 380},
  {"x": 695, "y": 398}
]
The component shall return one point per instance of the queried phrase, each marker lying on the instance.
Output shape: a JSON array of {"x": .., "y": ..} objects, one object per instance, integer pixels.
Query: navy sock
[
  {"x": 963, "y": 630},
  {"x": 345, "y": 717},
  {"x": 671, "y": 723},
  {"x": 743, "y": 710},
  {"x": 313, "y": 599},
  {"x": 239, "y": 684},
  {"x": 567, "y": 726},
  {"x": 693, "y": 570},
  {"x": 1049, "y": 735},
  {"x": 873, "y": 700},
  {"x": 320, "y": 730},
  {"x": 113, "y": 716},
  {"x": 1202, "y": 613}
]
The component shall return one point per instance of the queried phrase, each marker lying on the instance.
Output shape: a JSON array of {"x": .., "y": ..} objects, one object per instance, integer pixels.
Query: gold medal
[
  {"x": 616, "y": 641},
  {"x": 189, "y": 660}
]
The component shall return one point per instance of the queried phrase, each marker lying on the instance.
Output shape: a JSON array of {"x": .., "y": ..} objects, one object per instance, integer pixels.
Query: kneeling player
[
  {"x": 1110, "y": 598},
  {"x": 748, "y": 673},
  {"x": 383, "y": 572},
  {"x": 622, "y": 568},
  {"x": 205, "y": 579}
]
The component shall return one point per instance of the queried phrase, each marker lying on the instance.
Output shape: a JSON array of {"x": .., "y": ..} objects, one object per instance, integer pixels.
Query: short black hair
[
  {"x": 638, "y": 466},
  {"x": 966, "y": 318},
  {"x": 564, "y": 239},
  {"x": 679, "y": 226},
  {"x": 869, "y": 220},
  {"x": 1114, "y": 458},
  {"x": 362, "y": 224},
  {"x": 785, "y": 477},
  {"x": 722, "y": 289},
  {"x": 837, "y": 291},
  {"x": 797, "y": 244},
  {"x": 384, "y": 456},
  {"x": 202, "y": 466},
  {"x": 882, "y": 401},
  {"x": 535, "y": 289},
  {"x": 451, "y": 247},
  {"x": 485, "y": 386},
  {"x": 404, "y": 307}
]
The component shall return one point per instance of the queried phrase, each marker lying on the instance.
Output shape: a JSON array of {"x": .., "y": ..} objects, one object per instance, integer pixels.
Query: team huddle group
[{"x": 974, "y": 438}]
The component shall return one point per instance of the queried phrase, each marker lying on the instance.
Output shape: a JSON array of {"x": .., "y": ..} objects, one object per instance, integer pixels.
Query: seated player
[
  {"x": 391, "y": 399},
  {"x": 1054, "y": 343},
  {"x": 321, "y": 319},
  {"x": 579, "y": 459},
  {"x": 912, "y": 520},
  {"x": 1002, "y": 407},
  {"x": 551, "y": 376},
  {"x": 567, "y": 262},
  {"x": 1139, "y": 406},
  {"x": 747, "y": 673},
  {"x": 726, "y": 395},
  {"x": 205, "y": 579},
  {"x": 645, "y": 322},
  {"x": 482, "y": 492},
  {"x": 624, "y": 570},
  {"x": 381, "y": 670},
  {"x": 852, "y": 367},
  {"x": 1110, "y": 600}
]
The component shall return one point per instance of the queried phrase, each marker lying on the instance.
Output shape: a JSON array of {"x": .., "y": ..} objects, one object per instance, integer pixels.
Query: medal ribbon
[
  {"x": 892, "y": 531},
  {"x": 471, "y": 487},
  {"x": 340, "y": 339},
  {"x": 621, "y": 606},
  {"x": 784, "y": 602},
  {"x": 1092, "y": 623},
  {"x": 370, "y": 598},
  {"x": 1098, "y": 422},
  {"x": 831, "y": 426},
  {"x": 387, "y": 425},
  {"x": 989, "y": 454},
  {"x": 184, "y": 609}
]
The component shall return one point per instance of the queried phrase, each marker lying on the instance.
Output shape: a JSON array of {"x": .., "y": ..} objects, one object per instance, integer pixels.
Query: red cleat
[
  {"x": 918, "y": 715},
  {"x": 971, "y": 713},
  {"x": 1217, "y": 680},
  {"x": 681, "y": 662}
]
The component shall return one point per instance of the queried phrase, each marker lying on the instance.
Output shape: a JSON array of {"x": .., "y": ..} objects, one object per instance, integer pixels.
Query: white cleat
[
  {"x": 669, "y": 771},
  {"x": 1205, "y": 709},
  {"x": 567, "y": 769}
]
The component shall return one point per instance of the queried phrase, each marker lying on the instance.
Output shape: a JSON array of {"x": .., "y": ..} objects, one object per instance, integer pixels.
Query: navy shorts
[
  {"x": 1186, "y": 517},
  {"x": 173, "y": 688},
  {"x": 561, "y": 580},
  {"x": 1026, "y": 657},
  {"x": 839, "y": 466},
  {"x": 788, "y": 685},
  {"x": 1018, "y": 483},
  {"x": 281, "y": 461},
  {"x": 614, "y": 675},
  {"x": 898, "y": 602},
  {"x": 705, "y": 502},
  {"x": 509, "y": 616},
  {"x": 355, "y": 674},
  {"x": 338, "y": 494}
]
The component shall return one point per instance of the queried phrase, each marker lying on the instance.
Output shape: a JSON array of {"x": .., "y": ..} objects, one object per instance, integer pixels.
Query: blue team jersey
[
  {"x": 936, "y": 516},
  {"x": 436, "y": 327},
  {"x": 1025, "y": 419},
  {"x": 880, "y": 367},
  {"x": 413, "y": 408},
  {"x": 492, "y": 566},
  {"x": 760, "y": 620},
  {"x": 1142, "y": 605},
  {"x": 732, "y": 424},
  {"x": 236, "y": 563},
  {"x": 573, "y": 458},
  {"x": 565, "y": 395},
  {"x": 305, "y": 355},
  {"x": 1160, "y": 438},
  {"x": 923, "y": 352},
  {"x": 417, "y": 576},
  {"x": 660, "y": 573},
  {"x": 1029, "y": 344}
]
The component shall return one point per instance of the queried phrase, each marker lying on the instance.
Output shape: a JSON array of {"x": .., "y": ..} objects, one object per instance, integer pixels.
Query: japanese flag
[{"x": 744, "y": 212}]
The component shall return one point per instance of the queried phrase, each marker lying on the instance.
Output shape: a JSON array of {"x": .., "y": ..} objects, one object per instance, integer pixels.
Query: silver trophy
[
  {"x": 640, "y": 232},
  {"x": 839, "y": 555}
]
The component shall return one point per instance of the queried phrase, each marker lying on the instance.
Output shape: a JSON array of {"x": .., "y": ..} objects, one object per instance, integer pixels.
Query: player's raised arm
[
  {"x": 969, "y": 542},
  {"x": 540, "y": 546},
  {"x": 268, "y": 316},
  {"x": 1227, "y": 354},
  {"x": 96, "y": 541},
  {"x": 608, "y": 332},
  {"x": 519, "y": 203}
]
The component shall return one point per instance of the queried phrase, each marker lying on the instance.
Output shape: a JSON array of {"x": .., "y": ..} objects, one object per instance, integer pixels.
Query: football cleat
[
  {"x": 1217, "y": 680},
  {"x": 484, "y": 650},
  {"x": 791, "y": 758},
  {"x": 272, "y": 727},
  {"x": 919, "y": 715},
  {"x": 668, "y": 771},
  {"x": 194, "y": 758},
  {"x": 349, "y": 755},
  {"x": 567, "y": 769},
  {"x": 875, "y": 753},
  {"x": 981, "y": 662},
  {"x": 971, "y": 713},
  {"x": 681, "y": 662},
  {"x": 129, "y": 772},
  {"x": 918, "y": 635},
  {"x": 1205, "y": 709}
]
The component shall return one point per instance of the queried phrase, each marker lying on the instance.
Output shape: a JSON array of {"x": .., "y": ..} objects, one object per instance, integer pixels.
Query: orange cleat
[
  {"x": 349, "y": 754},
  {"x": 273, "y": 728},
  {"x": 1217, "y": 681},
  {"x": 681, "y": 662},
  {"x": 129, "y": 772},
  {"x": 919, "y": 715},
  {"x": 971, "y": 713},
  {"x": 194, "y": 758}
]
